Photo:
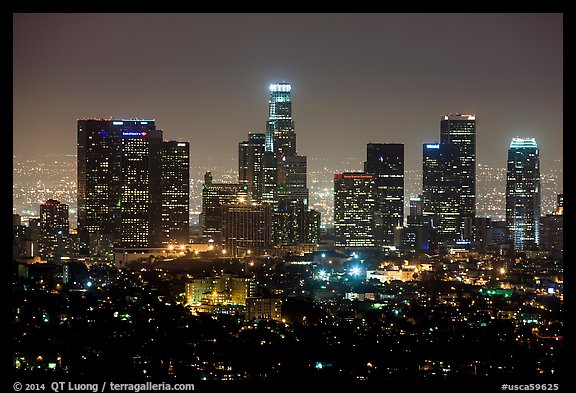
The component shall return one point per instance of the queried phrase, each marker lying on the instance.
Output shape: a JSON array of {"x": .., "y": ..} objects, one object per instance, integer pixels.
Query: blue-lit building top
[
  {"x": 523, "y": 194},
  {"x": 441, "y": 190}
]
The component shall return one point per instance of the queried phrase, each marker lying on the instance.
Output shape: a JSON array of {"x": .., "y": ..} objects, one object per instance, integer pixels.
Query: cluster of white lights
[
  {"x": 283, "y": 87},
  {"x": 523, "y": 143}
]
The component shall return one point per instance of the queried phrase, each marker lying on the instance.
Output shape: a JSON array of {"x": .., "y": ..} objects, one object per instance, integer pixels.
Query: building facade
[
  {"x": 214, "y": 197},
  {"x": 121, "y": 185},
  {"x": 251, "y": 166},
  {"x": 175, "y": 192},
  {"x": 55, "y": 228},
  {"x": 460, "y": 129},
  {"x": 523, "y": 194},
  {"x": 246, "y": 228},
  {"x": 354, "y": 207},
  {"x": 386, "y": 162},
  {"x": 441, "y": 192}
]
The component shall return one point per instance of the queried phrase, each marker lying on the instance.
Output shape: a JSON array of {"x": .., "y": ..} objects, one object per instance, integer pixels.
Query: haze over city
[
  {"x": 301, "y": 201},
  {"x": 356, "y": 78}
]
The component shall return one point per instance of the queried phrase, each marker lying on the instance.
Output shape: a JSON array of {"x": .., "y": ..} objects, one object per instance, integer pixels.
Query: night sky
[{"x": 356, "y": 78}]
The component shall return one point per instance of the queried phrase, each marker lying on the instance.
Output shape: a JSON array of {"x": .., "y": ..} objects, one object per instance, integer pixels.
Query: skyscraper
[
  {"x": 354, "y": 206},
  {"x": 246, "y": 227},
  {"x": 441, "y": 192},
  {"x": 386, "y": 162},
  {"x": 214, "y": 197},
  {"x": 251, "y": 165},
  {"x": 120, "y": 182},
  {"x": 460, "y": 130},
  {"x": 280, "y": 135},
  {"x": 523, "y": 193},
  {"x": 284, "y": 171},
  {"x": 175, "y": 192},
  {"x": 54, "y": 227}
]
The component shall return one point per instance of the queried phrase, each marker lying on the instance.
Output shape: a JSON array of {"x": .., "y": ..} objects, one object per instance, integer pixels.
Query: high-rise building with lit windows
[
  {"x": 523, "y": 194},
  {"x": 175, "y": 192},
  {"x": 284, "y": 172},
  {"x": 251, "y": 165},
  {"x": 354, "y": 207},
  {"x": 54, "y": 227},
  {"x": 280, "y": 135},
  {"x": 460, "y": 129},
  {"x": 214, "y": 197},
  {"x": 441, "y": 193},
  {"x": 121, "y": 183},
  {"x": 246, "y": 227},
  {"x": 386, "y": 162}
]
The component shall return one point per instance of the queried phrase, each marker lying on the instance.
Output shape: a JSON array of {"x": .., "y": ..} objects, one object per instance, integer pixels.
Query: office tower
[
  {"x": 214, "y": 197},
  {"x": 284, "y": 171},
  {"x": 354, "y": 206},
  {"x": 523, "y": 193},
  {"x": 552, "y": 230},
  {"x": 175, "y": 192},
  {"x": 246, "y": 227},
  {"x": 441, "y": 192},
  {"x": 460, "y": 130},
  {"x": 280, "y": 135},
  {"x": 119, "y": 182},
  {"x": 54, "y": 227},
  {"x": 251, "y": 165},
  {"x": 386, "y": 162}
]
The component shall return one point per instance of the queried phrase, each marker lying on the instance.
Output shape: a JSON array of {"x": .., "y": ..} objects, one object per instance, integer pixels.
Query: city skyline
[
  {"x": 394, "y": 218},
  {"x": 351, "y": 83}
]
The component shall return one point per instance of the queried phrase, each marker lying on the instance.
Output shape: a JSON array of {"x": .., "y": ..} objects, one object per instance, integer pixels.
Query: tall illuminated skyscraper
[
  {"x": 54, "y": 227},
  {"x": 460, "y": 130},
  {"x": 386, "y": 162},
  {"x": 523, "y": 193},
  {"x": 121, "y": 183},
  {"x": 280, "y": 135},
  {"x": 284, "y": 171},
  {"x": 354, "y": 207},
  {"x": 175, "y": 192},
  {"x": 251, "y": 165},
  {"x": 441, "y": 192},
  {"x": 214, "y": 197}
]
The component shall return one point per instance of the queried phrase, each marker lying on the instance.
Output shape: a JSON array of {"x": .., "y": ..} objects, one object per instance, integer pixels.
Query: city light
[
  {"x": 355, "y": 271},
  {"x": 437, "y": 271}
]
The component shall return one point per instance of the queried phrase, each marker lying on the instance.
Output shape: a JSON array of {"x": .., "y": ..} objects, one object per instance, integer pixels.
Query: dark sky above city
[{"x": 356, "y": 78}]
